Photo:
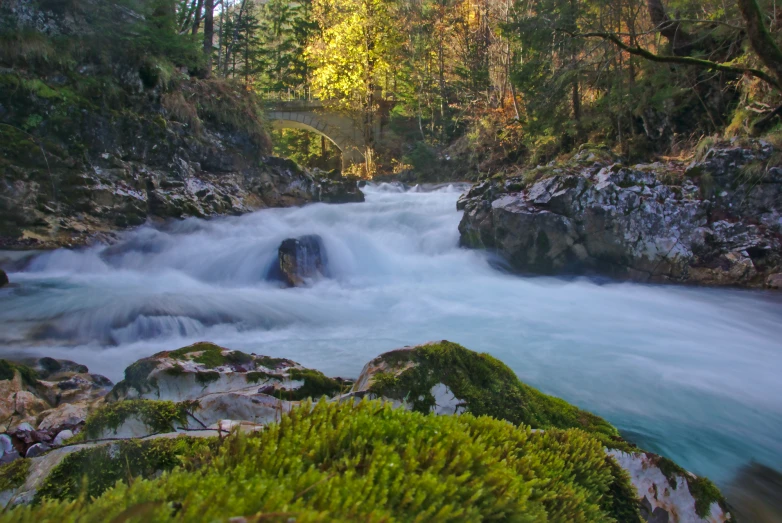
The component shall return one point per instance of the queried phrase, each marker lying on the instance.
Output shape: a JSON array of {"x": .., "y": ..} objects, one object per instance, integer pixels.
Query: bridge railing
[{"x": 304, "y": 94}]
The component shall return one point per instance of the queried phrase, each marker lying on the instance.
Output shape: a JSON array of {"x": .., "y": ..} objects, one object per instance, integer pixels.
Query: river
[{"x": 692, "y": 373}]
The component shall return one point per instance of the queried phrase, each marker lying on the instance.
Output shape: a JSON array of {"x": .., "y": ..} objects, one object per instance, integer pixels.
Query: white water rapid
[{"x": 692, "y": 373}]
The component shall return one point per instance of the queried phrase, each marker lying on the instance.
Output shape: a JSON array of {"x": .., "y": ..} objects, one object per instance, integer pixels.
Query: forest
[{"x": 502, "y": 81}]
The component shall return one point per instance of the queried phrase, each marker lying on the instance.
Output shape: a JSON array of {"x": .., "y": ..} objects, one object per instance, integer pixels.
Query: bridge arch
[{"x": 337, "y": 128}]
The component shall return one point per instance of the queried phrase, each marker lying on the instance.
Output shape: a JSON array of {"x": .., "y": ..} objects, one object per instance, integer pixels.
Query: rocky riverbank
[
  {"x": 96, "y": 137},
  {"x": 183, "y": 411},
  {"x": 714, "y": 221}
]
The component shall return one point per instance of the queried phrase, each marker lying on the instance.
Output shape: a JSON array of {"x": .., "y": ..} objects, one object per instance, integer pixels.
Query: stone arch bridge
[{"x": 312, "y": 115}]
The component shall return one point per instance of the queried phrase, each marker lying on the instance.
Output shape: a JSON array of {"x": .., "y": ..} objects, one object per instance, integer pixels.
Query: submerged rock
[
  {"x": 302, "y": 259},
  {"x": 656, "y": 222},
  {"x": 332, "y": 187}
]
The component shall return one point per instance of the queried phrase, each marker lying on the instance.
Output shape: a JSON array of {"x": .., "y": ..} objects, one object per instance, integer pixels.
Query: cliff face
[{"x": 715, "y": 221}]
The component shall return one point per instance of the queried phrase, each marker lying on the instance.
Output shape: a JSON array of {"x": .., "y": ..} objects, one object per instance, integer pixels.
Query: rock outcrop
[
  {"x": 219, "y": 384},
  {"x": 713, "y": 222},
  {"x": 445, "y": 378},
  {"x": 302, "y": 259},
  {"x": 335, "y": 188},
  {"x": 44, "y": 401},
  {"x": 177, "y": 407},
  {"x": 3, "y": 278}
]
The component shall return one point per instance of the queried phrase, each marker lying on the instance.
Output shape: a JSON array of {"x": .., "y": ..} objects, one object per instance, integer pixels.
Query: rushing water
[{"x": 691, "y": 373}]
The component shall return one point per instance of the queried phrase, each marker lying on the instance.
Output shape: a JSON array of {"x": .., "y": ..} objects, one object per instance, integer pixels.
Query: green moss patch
[
  {"x": 702, "y": 489},
  {"x": 271, "y": 363},
  {"x": 258, "y": 376},
  {"x": 486, "y": 385},
  {"x": 158, "y": 416},
  {"x": 14, "y": 474},
  {"x": 351, "y": 462},
  {"x": 8, "y": 369},
  {"x": 205, "y": 378},
  {"x": 94, "y": 470},
  {"x": 316, "y": 384},
  {"x": 211, "y": 355}
]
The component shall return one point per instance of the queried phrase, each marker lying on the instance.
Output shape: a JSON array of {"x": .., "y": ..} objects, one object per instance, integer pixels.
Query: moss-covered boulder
[
  {"x": 342, "y": 461},
  {"x": 446, "y": 378},
  {"x": 226, "y": 384}
]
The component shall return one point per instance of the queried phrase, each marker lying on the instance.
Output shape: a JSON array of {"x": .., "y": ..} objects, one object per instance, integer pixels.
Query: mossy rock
[
  {"x": 157, "y": 416},
  {"x": 346, "y": 462},
  {"x": 484, "y": 384},
  {"x": 94, "y": 470},
  {"x": 211, "y": 355},
  {"x": 9, "y": 369}
]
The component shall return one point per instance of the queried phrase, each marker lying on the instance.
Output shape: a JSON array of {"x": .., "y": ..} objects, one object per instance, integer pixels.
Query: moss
[
  {"x": 705, "y": 493},
  {"x": 702, "y": 489},
  {"x": 621, "y": 502},
  {"x": 94, "y": 470},
  {"x": 486, "y": 385},
  {"x": 669, "y": 469},
  {"x": 175, "y": 370},
  {"x": 205, "y": 378},
  {"x": 182, "y": 353},
  {"x": 269, "y": 362},
  {"x": 8, "y": 369},
  {"x": 158, "y": 416},
  {"x": 211, "y": 355},
  {"x": 256, "y": 376},
  {"x": 316, "y": 384},
  {"x": 137, "y": 377},
  {"x": 311, "y": 466},
  {"x": 14, "y": 474}
]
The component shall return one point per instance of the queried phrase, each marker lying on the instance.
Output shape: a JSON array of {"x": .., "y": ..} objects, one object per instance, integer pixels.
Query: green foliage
[
  {"x": 158, "y": 416},
  {"x": 350, "y": 462},
  {"x": 92, "y": 471},
  {"x": 306, "y": 148},
  {"x": 422, "y": 158},
  {"x": 210, "y": 355},
  {"x": 14, "y": 474}
]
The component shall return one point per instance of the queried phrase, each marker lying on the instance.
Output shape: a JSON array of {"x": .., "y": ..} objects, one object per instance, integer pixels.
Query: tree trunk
[
  {"x": 680, "y": 40},
  {"x": 197, "y": 19},
  {"x": 760, "y": 39},
  {"x": 209, "y": 30}
]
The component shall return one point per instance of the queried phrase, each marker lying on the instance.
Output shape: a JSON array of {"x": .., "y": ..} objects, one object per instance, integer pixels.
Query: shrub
[{"x": 368, "y": 462}]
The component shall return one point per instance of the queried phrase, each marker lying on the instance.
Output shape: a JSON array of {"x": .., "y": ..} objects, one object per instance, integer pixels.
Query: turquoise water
[{"x": 690, "y": 373}]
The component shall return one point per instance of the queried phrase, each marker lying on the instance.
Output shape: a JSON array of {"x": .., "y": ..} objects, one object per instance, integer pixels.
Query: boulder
[
  {"x": 332, "y": 187},
  {"x": 3, "y": 278},
  {"x": 445, "y": 378},
  {"x": 645, "y": 222},
  {"x": 211, "y": 383},
  {"x": 41, "y": 397},
  {"x": 302, "y": 259}
]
